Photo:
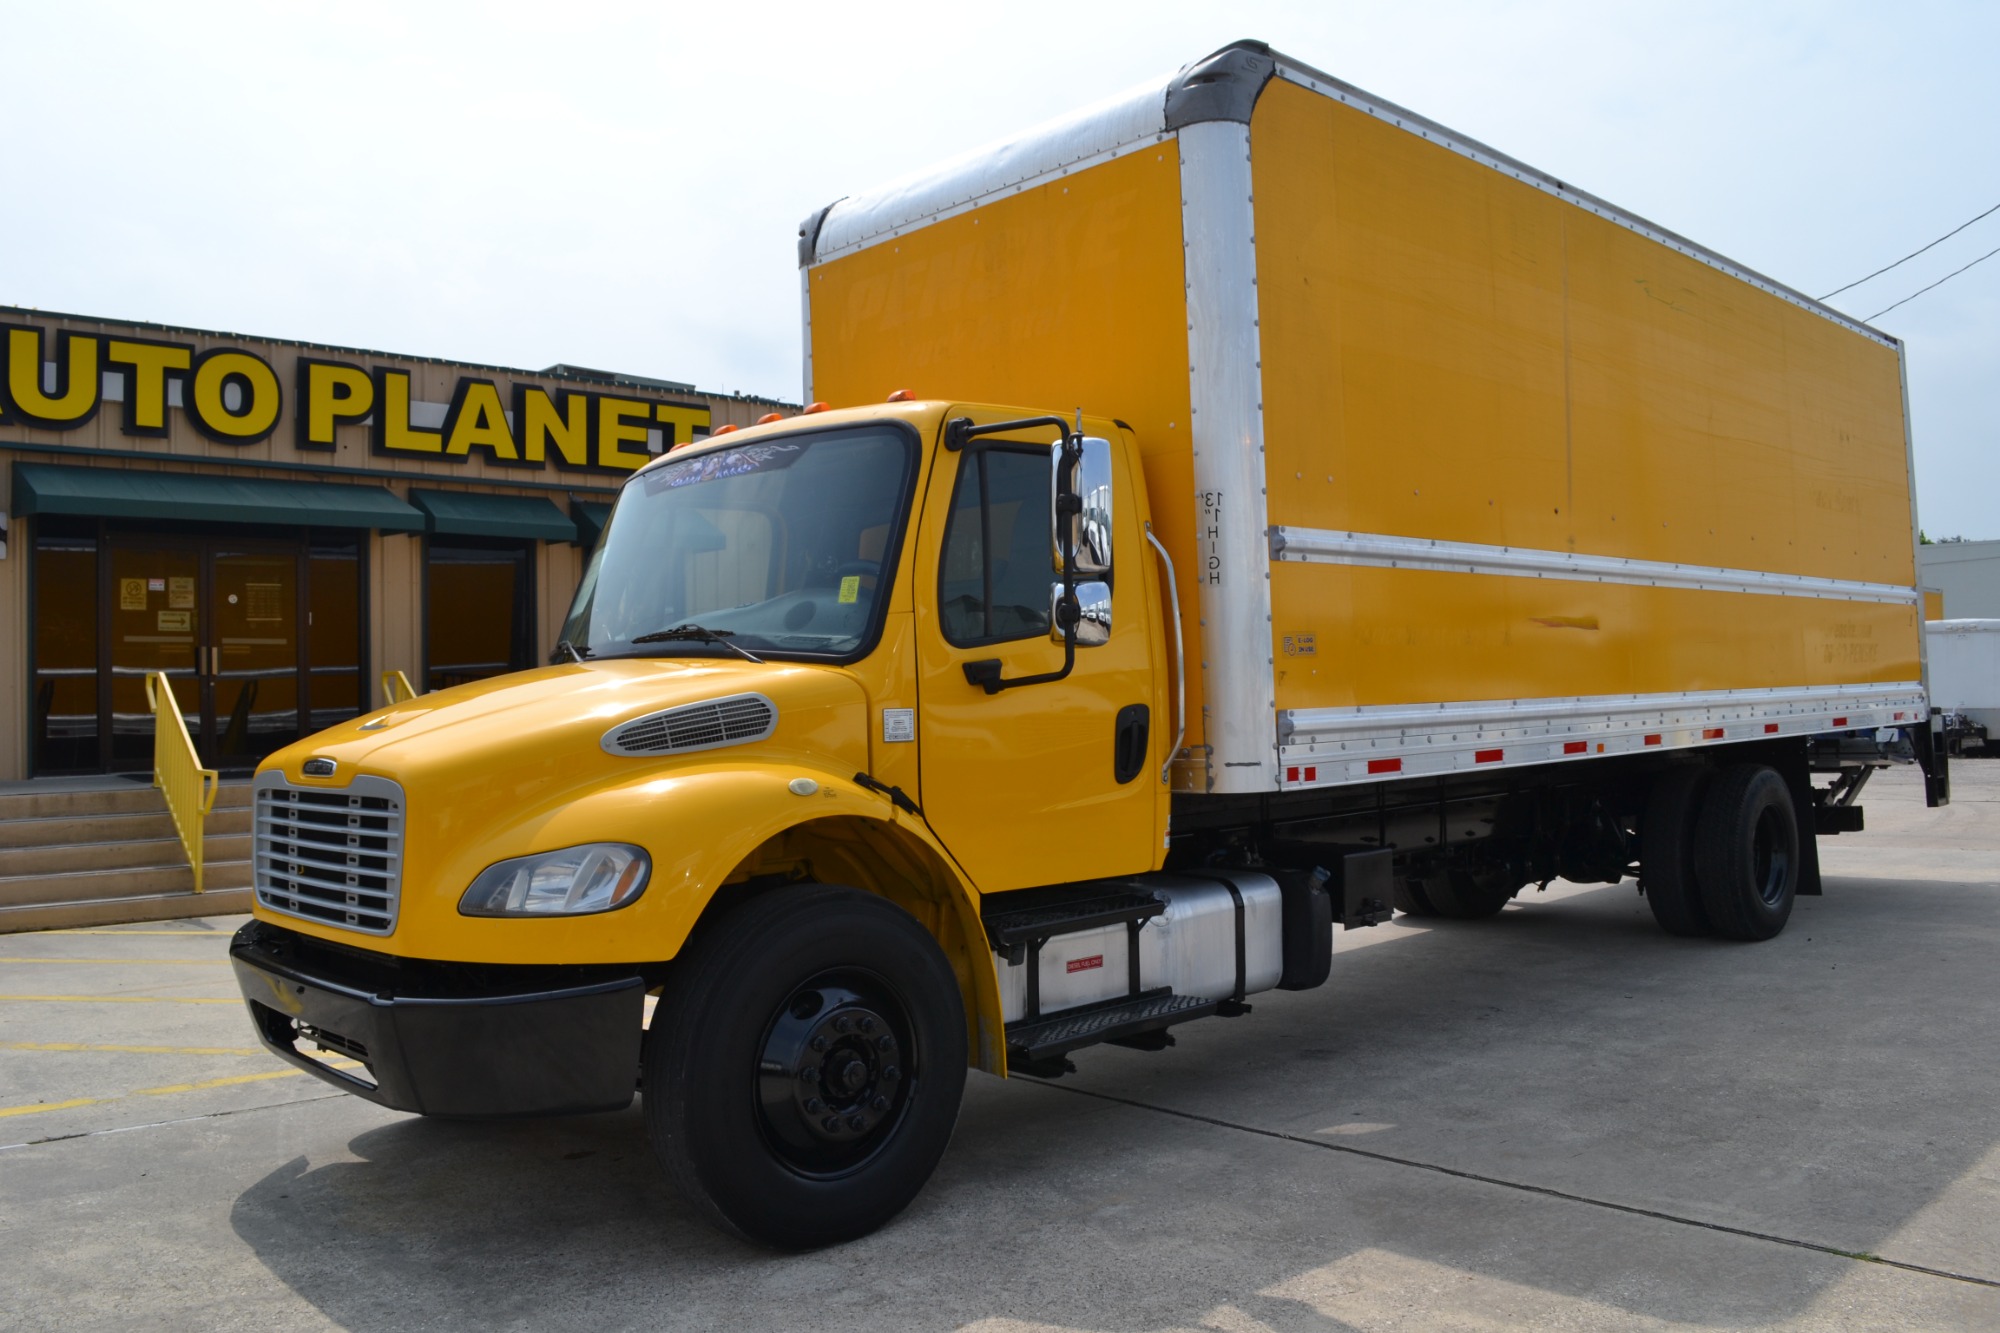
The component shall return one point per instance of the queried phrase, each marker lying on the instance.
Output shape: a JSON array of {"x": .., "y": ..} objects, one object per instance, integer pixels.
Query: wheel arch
[{"x": 893, "y": 856}]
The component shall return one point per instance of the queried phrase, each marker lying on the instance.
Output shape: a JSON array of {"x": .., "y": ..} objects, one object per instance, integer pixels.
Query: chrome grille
[
  {"x": 331, "y": 854},
  {"x": 733, "y": 720}
]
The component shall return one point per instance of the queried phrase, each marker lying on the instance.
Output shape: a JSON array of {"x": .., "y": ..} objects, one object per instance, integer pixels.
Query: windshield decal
[{"x": 728, "y": 463}]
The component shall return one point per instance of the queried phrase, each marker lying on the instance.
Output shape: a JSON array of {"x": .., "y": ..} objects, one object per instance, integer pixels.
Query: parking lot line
[
  {"x": 115, "y": 999},
  {"x": 108, "y": 930},
  {"x": 129, "y": 1050},
  {"x": 147, "y": 962},
  {"x": 168, "y": 1090}
]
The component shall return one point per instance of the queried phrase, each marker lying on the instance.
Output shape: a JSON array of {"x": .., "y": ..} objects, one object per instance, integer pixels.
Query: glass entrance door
[{"x": 222, "y": 620}]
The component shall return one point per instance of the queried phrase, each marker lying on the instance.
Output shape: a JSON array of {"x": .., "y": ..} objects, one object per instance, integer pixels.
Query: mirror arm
[{"x": 985, "y": 673}]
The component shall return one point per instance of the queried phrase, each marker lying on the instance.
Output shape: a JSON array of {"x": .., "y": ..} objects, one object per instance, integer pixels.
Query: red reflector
[
  {"x": 1712, "y": 734},
  {"x": 1291, "y": 775},
  {"x": 1840, "y": 722},
  {"x": 1385, "y": 765},
  {"x": 1084, "y": 964},
  {"x": 1312, "y": 775},
  {"x": 1652, "y": 740},
  {"x": 1770, "y": 728},
  {"x": 1487, "y": 756},
  {"x": 1575, "y": 747},
  {"x": 1899, "y": 717}
]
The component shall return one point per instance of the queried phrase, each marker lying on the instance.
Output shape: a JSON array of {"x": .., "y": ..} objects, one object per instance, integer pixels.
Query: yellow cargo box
[{"x": 1461, "y": 466}]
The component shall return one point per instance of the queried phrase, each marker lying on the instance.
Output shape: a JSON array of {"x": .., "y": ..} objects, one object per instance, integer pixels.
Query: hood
[{"x": 515, "y": 741}]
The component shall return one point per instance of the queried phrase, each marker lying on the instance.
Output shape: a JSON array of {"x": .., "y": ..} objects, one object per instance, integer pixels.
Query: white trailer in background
[{"x": 1965, "y": 682}]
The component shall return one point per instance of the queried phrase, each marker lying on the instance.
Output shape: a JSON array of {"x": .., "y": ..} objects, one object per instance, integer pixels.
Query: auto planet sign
[{"x": 233, "y": 396}]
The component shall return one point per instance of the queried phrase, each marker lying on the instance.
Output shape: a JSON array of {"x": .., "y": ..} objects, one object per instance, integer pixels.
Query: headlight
[{"x": 576, "y": 881}]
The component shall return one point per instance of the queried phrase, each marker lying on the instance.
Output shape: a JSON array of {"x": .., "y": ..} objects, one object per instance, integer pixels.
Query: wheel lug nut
[
  {"x": 831, "y": 1124},
  {"x": 890, "y": 1073},
  {"x": 814, "y": 1106},
  {"x": 818, "y": 1043},
  {"x": 856, "y": 1122},
  {"x": 810, "y": 1074},
  {"x": 885, "y": 1042},
  {"x": 843, "y": 1023},
  {"x": 867, "y": 1025},
  {"x": 879, "y": 1104}
]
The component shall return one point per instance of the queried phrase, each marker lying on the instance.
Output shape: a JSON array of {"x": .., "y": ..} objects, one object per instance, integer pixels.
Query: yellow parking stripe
[
  {"x": 149, "y": 962},
  {"x": 108, "y": 930},
  {"x": 114, "y": 999},
  {"x": 129, "y": 1050},
  {"x": 171, "y": 1088}
]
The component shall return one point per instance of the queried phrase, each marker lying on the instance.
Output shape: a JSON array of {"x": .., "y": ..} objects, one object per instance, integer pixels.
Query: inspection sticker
[
  {"x": 899, "y": 724},
  {"x": 850, "y": 588}
]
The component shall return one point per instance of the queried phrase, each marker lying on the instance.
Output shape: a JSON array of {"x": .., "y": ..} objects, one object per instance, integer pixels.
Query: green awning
[
  {"x": 45, "y": 488},
  {"x": 590, "y": 518},
  {"x": 464, "y": 514}
]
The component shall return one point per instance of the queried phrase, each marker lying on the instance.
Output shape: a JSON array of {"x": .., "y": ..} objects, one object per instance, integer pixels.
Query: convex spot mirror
[
  {"x": 1088, "y": 479},
  {"x": 1093, "y": 614}
]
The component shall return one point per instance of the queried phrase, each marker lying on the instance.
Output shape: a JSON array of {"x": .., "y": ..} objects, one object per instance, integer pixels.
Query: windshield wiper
[
  {"x": 692, "y": 633},
  {"x": 564, "y": 648}
]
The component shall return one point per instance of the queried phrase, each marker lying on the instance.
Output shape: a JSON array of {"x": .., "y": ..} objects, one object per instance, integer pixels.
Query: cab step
[
  {"x": 1044, "y": 1041},
  {"x": 1026, "y": 929}
]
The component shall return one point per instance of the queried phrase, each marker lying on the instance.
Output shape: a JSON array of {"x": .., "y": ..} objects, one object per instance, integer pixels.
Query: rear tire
[
  {"x": 1410, "y": 899},
  {"x": 1666, "y": 852},
  {"x": 1747, "y": 853},
  {"x": 805, "y": 1065}
]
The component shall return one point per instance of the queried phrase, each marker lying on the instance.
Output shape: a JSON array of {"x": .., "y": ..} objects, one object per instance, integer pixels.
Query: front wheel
[{"x": 805, "y": 1065}]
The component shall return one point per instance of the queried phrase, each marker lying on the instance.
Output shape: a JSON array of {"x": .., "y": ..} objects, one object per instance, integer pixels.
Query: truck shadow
[{"x": 1828, "y": 1087}]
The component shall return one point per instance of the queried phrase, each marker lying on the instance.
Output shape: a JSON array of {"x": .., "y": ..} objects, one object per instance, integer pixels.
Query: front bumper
[{"x": 439, "y": 1039}]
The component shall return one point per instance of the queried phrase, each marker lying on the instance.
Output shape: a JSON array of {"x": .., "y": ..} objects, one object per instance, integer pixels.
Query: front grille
[
  {"x": 332, "y": 855},
  {"x": 734, "y": 720}
]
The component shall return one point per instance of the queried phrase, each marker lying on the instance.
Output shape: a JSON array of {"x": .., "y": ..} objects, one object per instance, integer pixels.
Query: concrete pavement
[{"x": 1560, "y": 1118}]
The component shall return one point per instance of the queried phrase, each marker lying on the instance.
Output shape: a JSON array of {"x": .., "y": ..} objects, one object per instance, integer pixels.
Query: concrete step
[
  {"x": 123, "y": 911},
  {"x": 122, "y": 854},
  {"x": 112, "y": 885},
  {"x": 60, "y": 831},
  {"x": 58, "y": 798}
]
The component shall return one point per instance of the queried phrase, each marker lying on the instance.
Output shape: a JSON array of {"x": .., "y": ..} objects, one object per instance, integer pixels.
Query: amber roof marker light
[
  {"x": 769, "y": 417},
  {"x": 902, "y": 396},
  {"x": 815, "y": 407}
]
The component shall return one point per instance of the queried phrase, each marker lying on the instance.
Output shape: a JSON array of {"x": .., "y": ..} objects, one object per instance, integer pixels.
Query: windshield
[{"x": 784, "y": 546}]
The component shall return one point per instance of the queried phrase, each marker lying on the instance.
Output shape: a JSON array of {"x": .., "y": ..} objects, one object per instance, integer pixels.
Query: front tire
[
  {"x": 1747, "y": 853},
  {"x": 805, "y": 1065}
]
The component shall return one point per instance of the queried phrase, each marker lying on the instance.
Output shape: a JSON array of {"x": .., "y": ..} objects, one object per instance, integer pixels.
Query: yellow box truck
[{"x": 1247, "y": 508}]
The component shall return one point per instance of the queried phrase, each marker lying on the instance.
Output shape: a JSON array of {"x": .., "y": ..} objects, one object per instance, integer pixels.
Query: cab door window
[{"x": 998, "y": 562}]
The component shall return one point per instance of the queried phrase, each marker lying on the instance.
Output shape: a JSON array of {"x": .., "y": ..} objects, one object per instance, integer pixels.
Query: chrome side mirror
[
  {"x": 1089, "y": 480},
  {"x": 1093, "y": 614}
]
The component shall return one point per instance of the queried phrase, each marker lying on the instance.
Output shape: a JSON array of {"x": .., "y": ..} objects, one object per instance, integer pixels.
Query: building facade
[
  {"x": 1968, "y": 576},
  {"x": 275, "y": 524}
]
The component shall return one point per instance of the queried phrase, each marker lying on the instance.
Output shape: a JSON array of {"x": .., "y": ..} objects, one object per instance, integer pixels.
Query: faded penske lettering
[{"x": 56, "y": 380}]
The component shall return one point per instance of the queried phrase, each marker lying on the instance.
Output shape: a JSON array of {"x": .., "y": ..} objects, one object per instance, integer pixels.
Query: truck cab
[{"x": 878, "y": 664}]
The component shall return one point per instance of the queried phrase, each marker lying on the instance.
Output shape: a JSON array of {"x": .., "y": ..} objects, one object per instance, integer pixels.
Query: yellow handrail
[
  {"x": 396, "y": 688},
  {"x": 177, "y": 771}
]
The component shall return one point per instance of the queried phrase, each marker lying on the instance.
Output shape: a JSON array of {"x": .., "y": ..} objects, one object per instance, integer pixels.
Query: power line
[
  {"x": 1921, "y": 290},
  {"x": 1912, "y": 255}
]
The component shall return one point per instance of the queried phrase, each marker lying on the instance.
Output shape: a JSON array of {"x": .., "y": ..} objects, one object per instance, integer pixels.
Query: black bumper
[{"x": 444, "y": 1040}]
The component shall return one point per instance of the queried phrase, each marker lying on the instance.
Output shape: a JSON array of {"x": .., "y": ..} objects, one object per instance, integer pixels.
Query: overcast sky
[{"x": 620, "y": 185}]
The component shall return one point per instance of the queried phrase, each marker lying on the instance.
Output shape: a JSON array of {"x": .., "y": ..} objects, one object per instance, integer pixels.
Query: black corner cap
[
  {"x": 1223, "y": 86},
  {"x": 809, "y": 233}
]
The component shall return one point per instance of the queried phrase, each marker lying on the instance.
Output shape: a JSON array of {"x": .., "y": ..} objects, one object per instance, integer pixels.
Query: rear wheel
[
  {"x": 1666, "y": 852},
  {"x": 1747, "y": 853},
  {"x": 1411, "y": 899},
  {"x": 805, "y": 1065}
]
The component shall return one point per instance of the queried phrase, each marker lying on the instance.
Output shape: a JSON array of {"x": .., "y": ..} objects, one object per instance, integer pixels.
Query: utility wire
[
  {"x": 1912, "y": 255},
  {"x": 1921, "y": 290}
]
